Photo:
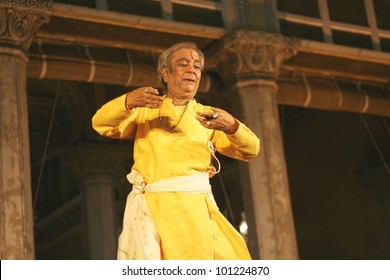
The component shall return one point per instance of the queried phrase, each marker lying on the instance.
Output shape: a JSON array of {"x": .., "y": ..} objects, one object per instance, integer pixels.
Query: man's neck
[{"x": 180, "y": 101}]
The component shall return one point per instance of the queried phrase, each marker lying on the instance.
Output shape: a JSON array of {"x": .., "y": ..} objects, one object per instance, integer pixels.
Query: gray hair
[{"x": 164, "y": 59}]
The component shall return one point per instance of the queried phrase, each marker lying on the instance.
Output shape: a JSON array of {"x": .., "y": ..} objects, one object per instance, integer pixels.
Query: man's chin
[{"x": 192, "y": 88}]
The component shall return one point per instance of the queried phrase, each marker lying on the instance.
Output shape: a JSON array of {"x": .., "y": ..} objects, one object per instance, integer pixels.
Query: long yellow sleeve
[{"x": 114, "y": 120}]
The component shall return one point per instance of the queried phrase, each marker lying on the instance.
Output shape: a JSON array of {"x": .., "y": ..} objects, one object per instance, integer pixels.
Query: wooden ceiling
[{"x": 83, "y": 34}]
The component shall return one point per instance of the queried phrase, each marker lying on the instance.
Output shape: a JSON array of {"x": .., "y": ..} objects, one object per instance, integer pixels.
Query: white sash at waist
[{"x": 198, "y": 183}]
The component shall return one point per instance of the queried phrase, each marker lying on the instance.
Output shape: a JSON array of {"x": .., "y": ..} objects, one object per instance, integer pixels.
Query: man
[{"x": 171, "y": 213}]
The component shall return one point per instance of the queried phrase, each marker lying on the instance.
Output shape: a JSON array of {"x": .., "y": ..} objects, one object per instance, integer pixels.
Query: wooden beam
[
  {"x": 315, "y": 93},
  {"x": 330, "y": 60},
  {"x": 132, "y": 69},
  {"x": 330, "y": 50},
  {"x": 201, "y": 4},
  {"x": 129, "y": 73},
  {"x": 341, "y": 26},
  {"x": 334, "y": 95},
  {"x": 134, "y": 21},
  {"x": 92, "y": 41}
]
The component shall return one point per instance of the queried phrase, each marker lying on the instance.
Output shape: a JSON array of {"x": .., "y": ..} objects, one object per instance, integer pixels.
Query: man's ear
[{"x": 164, "y": 74}]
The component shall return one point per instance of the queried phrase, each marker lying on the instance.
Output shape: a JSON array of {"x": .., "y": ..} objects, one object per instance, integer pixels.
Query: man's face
[{"x": 184, "y": 76}]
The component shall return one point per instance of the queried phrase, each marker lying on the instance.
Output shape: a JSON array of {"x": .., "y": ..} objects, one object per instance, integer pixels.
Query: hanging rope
[
  {"x": 225, "y": 195},
  {"x": 382, "y": 157},
  {"x": 385, "y": 119},
  {"x": 46, "y": 146},
  {"x": 376, "y": 145}
]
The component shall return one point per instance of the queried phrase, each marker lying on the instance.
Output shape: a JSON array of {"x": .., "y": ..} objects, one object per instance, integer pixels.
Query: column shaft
[
  {"x": 99, "y": 205},
  {"x": 19, "y": 20},
  {"x": 100, "y": 171},
  {"x": 271, "y": 222},
  {"x": 16, "y": 234},
  {"x": 248, "y": 62}
]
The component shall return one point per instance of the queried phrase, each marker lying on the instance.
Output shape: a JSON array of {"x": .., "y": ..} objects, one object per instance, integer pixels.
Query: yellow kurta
[{"x": 190, "y": 225}]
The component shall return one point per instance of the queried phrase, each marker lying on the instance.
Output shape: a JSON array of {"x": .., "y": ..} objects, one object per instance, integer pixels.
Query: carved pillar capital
[
  {"x": 95, "y": 160},
  {"x": 250, "y": 54},
  {"x": 20, "y": 20}
]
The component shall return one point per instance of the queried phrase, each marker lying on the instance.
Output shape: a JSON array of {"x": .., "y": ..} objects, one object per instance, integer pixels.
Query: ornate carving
[
  {"x": 13, "y": 57},
  {"x": 3, "y": 21},
  {"x": 254, "y": 53},
  {"x": 18, "y": 25},
  {"x": 100, "y": 159}
]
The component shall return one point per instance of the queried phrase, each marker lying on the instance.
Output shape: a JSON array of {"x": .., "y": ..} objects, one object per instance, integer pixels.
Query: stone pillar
[
  {"x": 99, "y": 208},
  {"x": 255, "y": 15},
  {"x": 98, "y": 169},
  {"x": 249, "y": 62},
  {"x": 19, "y": 20}
]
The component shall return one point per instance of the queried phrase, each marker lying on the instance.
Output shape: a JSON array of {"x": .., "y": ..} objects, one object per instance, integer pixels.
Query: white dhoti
[{"x": 139, "y": 239}]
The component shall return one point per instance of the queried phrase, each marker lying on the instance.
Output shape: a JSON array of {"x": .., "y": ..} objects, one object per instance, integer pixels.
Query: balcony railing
[{"x": 218, "y": 13}]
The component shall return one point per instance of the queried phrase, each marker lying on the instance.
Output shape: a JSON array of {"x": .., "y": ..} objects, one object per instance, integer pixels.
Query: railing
[
  {"x": 201, "y": 4},
  {"x": 168, "y": 9},
  {"x": 328, "y": 25},
  {"x": 323, "y": 22},
  {"x": 207, "y": 12}
]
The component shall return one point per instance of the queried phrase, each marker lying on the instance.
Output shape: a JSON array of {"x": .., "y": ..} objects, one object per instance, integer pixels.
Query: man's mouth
[{"x": 190, "y": 80}]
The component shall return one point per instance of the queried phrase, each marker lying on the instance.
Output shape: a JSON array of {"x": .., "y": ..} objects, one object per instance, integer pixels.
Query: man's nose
[{"x": 190, "y": 68}]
